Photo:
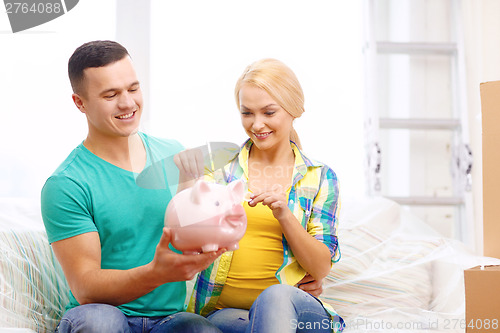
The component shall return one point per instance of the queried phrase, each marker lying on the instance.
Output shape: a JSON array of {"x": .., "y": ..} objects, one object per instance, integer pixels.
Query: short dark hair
[{"x": 97, "y": 53}]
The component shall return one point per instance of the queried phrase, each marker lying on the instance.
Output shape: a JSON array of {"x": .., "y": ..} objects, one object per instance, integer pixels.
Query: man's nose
[{"x": 126, "y": 101}]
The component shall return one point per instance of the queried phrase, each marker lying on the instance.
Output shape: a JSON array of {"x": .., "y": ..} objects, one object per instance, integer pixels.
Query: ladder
[{"x": 418, "y": 123}]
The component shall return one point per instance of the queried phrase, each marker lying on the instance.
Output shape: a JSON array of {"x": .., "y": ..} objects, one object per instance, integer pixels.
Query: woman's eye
[{"x": 270, "y": 113}]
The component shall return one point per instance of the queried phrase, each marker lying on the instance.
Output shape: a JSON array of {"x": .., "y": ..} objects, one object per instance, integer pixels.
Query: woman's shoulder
[{"x": 313, "y": 164}]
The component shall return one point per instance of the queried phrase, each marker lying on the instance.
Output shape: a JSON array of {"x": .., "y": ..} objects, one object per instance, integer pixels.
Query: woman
[{"x": 291, "y": 213}]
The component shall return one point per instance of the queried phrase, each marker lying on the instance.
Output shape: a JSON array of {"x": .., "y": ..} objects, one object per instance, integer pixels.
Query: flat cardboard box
[
  {"x": 482, "y": 299},
  {"x": 490, "y": 112}
]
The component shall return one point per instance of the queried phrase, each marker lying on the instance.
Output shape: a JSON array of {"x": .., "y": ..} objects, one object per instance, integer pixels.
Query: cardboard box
[
  {"x": 482, "y": 285},
  {"x": 482, "y": 299},
  {"x": 490, "y": 112}
]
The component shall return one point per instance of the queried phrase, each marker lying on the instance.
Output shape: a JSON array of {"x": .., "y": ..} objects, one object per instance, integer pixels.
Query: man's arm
[
  {"x": 191, "y": 165},
  {"x": 80, "y": 258}
]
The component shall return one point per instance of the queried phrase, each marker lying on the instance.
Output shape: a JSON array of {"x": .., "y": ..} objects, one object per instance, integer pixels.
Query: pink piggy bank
[{"x": 207, "y": 217}]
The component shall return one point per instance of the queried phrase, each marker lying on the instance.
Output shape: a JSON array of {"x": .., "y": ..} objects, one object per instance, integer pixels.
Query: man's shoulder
[
  {"x": 72, "y": 165},
  {"x": 70, "y": 173},
  {"x": 162, "y": 143}
]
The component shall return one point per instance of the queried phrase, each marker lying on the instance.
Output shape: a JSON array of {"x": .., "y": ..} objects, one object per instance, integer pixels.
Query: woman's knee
[
  {"x": 278, "y": 292},
  {"x": 94, "y": 318},
  {"x": 281, "y": 295}
]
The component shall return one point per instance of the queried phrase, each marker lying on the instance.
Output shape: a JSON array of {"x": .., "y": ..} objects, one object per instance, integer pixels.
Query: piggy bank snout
[
  {"x": 236, "y": 215},
  {"x": 237, "y": 211}
]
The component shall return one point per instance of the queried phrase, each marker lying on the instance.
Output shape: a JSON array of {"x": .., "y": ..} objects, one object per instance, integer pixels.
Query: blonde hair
[{"x": 279, "y": 81}]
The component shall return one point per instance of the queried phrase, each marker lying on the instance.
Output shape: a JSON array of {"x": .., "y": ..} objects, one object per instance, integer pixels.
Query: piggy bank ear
[
  {"x": 237, "y": 190},
  {"x": 198, "y": 191}
]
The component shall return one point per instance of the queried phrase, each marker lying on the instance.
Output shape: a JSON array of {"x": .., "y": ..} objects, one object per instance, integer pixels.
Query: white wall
[
  {"x": 197, "y": 55},
  {"x": 200, "y": 48},
  {"x": 40, "y": 124}
]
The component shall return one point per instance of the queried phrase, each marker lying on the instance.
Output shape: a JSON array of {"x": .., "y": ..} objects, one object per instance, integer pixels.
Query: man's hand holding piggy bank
[{"x": 207, "y": 217}]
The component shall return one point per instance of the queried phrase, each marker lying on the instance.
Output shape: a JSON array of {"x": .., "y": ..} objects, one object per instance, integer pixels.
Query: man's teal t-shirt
[{"x": 88, "y": 194}]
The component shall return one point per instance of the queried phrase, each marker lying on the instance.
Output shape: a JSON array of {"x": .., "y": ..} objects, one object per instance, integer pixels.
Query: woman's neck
[
  {"x": 268, "y": 168},
  {"x": 281, "y": 155}
]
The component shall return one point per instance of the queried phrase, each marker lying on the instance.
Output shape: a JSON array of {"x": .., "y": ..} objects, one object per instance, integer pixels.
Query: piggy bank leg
[
  {"x": 210, "y": 247},
  {"x": 190, "y": 252},
  {"x": 233, "y": 247}
]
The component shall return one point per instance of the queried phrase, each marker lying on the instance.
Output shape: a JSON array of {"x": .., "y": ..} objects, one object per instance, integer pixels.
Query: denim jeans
[
  {"x": 278, "y": 309},
  {"x": 99, "y": 318}
]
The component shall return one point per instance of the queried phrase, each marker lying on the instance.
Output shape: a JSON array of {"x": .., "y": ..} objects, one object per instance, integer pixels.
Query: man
[{"x": 105, "y": 230}]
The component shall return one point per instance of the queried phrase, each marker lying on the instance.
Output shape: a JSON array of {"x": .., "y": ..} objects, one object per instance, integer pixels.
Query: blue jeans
[
  {"x": 101, "y": 318},
  {"x": 279, "y": 308}
]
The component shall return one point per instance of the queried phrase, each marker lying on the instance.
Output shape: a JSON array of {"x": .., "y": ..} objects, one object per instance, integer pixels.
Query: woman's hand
[
  {"x": 312, "y": 255},
  {"x": 275, "y": 199},
  {"x": 311, "y": 286}
]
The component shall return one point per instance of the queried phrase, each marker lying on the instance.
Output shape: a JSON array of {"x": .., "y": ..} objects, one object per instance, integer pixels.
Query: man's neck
[{"x": 124, "y": 152}]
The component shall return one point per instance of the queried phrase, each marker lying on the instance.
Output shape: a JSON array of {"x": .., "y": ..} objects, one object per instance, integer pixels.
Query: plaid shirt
[{"x": 314, "y": 201}]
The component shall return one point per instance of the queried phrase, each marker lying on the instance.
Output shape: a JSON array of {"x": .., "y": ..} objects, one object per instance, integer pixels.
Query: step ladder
[{"x": 379, "y": 55}]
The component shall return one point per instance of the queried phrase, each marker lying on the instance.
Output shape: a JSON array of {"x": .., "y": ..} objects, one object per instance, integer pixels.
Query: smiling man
[{"x": 107, "y": 232}]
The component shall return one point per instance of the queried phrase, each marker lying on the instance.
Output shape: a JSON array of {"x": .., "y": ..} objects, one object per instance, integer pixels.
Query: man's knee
[
  {"x": 189, "y": 322},
  {"x": 94, "y": 318}
]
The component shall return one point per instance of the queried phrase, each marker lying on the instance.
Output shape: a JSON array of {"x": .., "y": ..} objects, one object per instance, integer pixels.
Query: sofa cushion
[
  {"x": 383, "y": 267},
  {"x": 33, "y": 290}
]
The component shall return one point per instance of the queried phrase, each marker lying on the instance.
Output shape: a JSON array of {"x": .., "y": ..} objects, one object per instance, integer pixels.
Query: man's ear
[{"x": 77, "y": 99}]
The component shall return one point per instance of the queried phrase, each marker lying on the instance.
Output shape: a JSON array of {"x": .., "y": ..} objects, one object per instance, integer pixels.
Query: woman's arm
[
  {"x": 315, "y": 247},
  {"x": 310, "y": 285},
  {"x": 312, "y": 255}
]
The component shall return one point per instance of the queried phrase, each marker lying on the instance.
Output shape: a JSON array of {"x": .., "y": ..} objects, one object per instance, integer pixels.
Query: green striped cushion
[{"x": 33, "y": 290}]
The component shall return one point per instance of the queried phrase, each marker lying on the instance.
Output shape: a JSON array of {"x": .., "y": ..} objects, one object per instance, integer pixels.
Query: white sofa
[{"x": 395, "y": 273}]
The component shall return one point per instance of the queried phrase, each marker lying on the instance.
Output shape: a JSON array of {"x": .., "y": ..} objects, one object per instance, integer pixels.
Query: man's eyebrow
[
  {"x": 135, "y": 83},
  {"x": 104, "y": 92}
]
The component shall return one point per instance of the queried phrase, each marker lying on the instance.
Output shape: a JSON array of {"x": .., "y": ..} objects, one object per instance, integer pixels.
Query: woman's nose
[{"x": 258, "y": 124}]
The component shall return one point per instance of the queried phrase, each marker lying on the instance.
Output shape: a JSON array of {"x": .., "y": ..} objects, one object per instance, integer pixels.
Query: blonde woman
[{"x": 292, "y": 216}]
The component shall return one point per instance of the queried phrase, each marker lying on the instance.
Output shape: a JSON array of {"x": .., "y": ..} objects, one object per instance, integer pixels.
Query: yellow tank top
[{"x": 254, "y": 264}]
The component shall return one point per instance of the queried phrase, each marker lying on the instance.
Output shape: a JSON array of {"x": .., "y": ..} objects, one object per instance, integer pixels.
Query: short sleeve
[
  {"x": 66, "y": 208},
  {"x": 324, "y": 215}
]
